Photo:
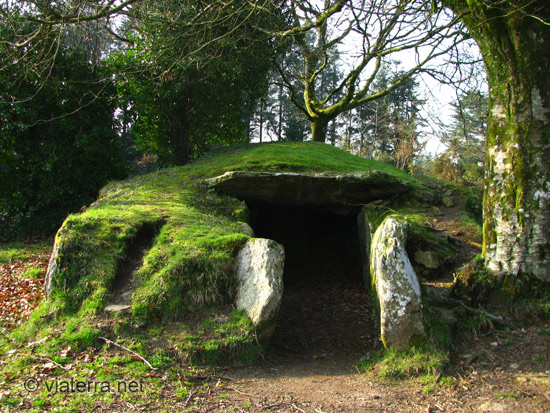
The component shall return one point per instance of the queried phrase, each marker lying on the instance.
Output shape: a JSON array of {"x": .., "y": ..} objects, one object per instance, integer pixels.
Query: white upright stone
[
  {"x": 259, "y": 270},
  {"x": 397, "y": 287}
]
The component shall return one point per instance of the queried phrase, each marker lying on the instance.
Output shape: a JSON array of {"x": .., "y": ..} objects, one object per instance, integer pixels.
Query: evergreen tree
[
  {"x": 464, "y": 159},
  {"x": 387, "y": 128}
]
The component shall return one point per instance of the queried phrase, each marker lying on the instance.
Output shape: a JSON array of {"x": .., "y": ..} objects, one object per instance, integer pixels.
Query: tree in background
[
  {"x": 58, "y": 145},
  {"x": 464, "y": 159},
  {"x": 381, "y": 28},
  {"x": 276, "y": 115},
  {"x": 178, "y": 107},
  {"x": 512, "y": 35},
  {"x": 386, "y": 129}
]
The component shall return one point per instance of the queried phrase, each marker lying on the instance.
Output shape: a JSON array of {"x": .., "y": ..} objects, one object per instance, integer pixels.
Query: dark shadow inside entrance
[{"x": 325, "y": 310}]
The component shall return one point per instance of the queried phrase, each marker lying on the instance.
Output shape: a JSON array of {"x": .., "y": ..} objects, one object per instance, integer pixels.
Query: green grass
[
  {"x": 474, "y": 282},
  {"x": 221, "y": 339},
  {"x": 34, "y": 272},
  {"x": 23, "y": 251},
  {"x": 470, "y": 224},
  {"x": 181, "y": 309},
  {"x": 426, "y": 361},
  {"x": 504, "y": 395},
  {"x": 294, "y": 157}
]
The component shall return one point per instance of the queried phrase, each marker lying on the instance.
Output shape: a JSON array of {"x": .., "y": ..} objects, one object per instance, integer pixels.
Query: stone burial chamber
[{"x": 311, "y": 229}]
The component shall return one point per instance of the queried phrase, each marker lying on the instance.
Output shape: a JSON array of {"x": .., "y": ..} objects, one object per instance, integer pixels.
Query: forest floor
[{"x": 311, "y": 366}]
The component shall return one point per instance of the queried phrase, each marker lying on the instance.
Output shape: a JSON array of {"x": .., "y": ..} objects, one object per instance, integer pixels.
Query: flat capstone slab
[{"x": 309, "y": 189}]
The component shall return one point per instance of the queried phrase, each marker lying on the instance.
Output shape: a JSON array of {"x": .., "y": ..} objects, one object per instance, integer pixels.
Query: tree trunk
[
  {"x": 319, "y": 129},
  {"x": 280, "y": 123},
  {"x": 261, "y": 119},
  {"x": 516, "y": 52}
]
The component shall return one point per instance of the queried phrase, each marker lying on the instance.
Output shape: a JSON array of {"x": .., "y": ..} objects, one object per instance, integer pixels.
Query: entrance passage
[{"x": 325, "y": 310}]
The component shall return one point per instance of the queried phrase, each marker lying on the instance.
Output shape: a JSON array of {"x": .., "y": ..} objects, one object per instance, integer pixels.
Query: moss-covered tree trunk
[
  {"x": 514, "y": 38},
  {"x": 319, "y": 127}
]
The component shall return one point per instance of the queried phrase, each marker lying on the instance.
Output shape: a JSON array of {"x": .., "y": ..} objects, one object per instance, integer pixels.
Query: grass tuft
[{"x": 427, "y": 360}]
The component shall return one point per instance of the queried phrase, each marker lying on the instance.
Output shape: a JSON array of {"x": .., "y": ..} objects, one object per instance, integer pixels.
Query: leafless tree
[{"x": 370, "y": 33}]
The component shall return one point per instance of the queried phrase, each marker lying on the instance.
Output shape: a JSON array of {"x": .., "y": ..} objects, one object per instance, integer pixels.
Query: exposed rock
[
  {"x": 308, "y": 189},
  {"x": 397, "y": 287},
  {"x": 435, "y": 211},
  {"x": 495, "y": 407},
  {"x": 52, "y": 271},
  {"x": 54, "y": 265},
  {"x": 448, "y": 201},
  {"x": 247, "y": 229},
  {"x": 259, "y": 270},
  {"x": 428, "y": 259},
  {"x": 428, "y": 196},
  {"x": 117, "y": 308}
]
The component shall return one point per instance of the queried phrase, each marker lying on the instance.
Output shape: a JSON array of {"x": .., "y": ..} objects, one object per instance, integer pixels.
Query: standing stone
[
  {"x": 57, "y": 263},
  {"x": 396, "y": 286},
  {"x": 259, "y": 270},
  {"x": 363, "y": 230},
  {"x": 53, "y": 270}
]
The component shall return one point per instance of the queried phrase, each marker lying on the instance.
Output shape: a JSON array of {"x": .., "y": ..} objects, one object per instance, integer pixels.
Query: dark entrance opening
[{"x": 325, "y": 310}]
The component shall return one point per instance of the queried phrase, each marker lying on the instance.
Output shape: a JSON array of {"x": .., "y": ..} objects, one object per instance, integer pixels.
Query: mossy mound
[{"x": 188, "y": 269}]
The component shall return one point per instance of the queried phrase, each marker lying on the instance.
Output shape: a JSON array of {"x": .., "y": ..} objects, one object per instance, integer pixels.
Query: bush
[{"x": 474, "y": 283}]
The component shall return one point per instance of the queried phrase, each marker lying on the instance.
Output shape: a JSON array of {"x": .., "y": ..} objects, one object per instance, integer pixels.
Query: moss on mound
[{"x": 189, "y": 267}]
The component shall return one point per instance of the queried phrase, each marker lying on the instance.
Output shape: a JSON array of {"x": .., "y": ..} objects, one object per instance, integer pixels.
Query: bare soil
[
  {"x": 499, "y": 371},
  {"x": 124, "y": 283}
]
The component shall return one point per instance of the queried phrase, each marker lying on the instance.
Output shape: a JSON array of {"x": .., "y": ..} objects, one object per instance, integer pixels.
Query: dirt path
[
  {"x": 497, "y": 372},
  {"x": 326, "y": 326}
]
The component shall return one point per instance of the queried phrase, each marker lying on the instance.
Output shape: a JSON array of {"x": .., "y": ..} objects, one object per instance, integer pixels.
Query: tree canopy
[
  {"x": 58, "y": 146},
  {"x": 374, "y": 31}
]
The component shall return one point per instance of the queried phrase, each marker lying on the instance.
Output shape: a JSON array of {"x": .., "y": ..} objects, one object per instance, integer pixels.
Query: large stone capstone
[
  {"x": 396, "y": 286},
  {"x": 309, "y": 189},
  {"x": 259, "y": 270}
]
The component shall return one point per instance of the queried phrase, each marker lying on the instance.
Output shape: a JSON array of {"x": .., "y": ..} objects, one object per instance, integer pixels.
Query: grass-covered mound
[
  {"x": 188, "y": 270},
  {"x": 187, "y": 277}
]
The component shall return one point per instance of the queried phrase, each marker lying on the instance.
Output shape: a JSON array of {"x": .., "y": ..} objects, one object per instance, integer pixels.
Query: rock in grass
[
  {"x": 53, "y": 268},
  {"x": 448, "y": 201},
  {"x": 396, "y": 286},
  {"x": 428, "y": 259},
  {"x": 259, "y": 270}
]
